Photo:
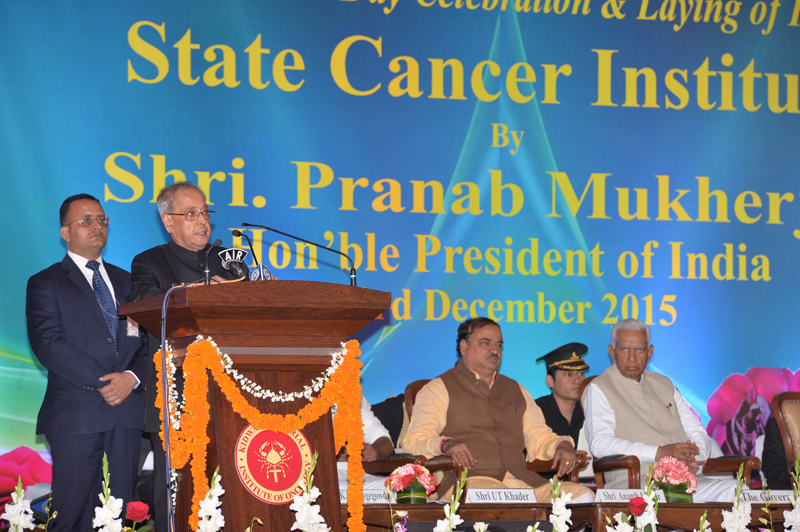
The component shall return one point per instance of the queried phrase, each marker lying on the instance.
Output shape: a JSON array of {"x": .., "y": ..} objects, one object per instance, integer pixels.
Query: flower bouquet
[
  {"x": 412, "y": 483},
  {"x": 674, "y": 478}
]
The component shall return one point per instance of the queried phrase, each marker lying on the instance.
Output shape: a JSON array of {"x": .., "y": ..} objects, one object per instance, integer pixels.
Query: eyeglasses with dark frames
[{"x": 194, "y": 215}]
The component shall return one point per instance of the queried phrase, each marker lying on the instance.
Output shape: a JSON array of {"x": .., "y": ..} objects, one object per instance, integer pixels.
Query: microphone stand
[
  {"x": 352, "y": 265},
  {"x": 207, "y": 270},
  {"x": 165, "y": 389},
  {"x": 236, "y": 232}
]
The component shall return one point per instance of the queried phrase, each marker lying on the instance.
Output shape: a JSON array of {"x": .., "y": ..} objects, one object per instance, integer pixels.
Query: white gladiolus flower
[{"x": 791, "y": 520}]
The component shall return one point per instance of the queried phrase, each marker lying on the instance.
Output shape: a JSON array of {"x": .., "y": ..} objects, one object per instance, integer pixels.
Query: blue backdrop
[{"x": 556, "y": 166}]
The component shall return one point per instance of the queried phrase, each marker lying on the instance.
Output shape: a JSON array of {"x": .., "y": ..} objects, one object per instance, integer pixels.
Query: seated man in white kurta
[
  {"x": 377, "y": 446},
  {"x": 632, "y": 411}
]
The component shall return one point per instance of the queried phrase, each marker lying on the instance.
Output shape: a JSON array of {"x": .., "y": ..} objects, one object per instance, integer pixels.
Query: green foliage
[
  {"x": 766, "y": 510},
  {"x": 47, "y": 508}
]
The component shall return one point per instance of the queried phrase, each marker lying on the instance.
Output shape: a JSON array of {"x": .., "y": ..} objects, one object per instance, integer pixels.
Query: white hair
[
  {"x": 629, "y": 325},
  {"x": 166, "y": 198}
]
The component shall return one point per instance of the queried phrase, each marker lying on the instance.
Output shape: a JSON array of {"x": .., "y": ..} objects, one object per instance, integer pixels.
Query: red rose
[
  {"x": 137, "y": 511},
  {"x": 637, "y": 506}
]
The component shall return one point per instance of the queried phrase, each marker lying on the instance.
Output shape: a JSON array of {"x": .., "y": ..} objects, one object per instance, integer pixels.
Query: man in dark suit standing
[
  {"x": 95, "y": 361},
  {"x": 185, "y": 215}
]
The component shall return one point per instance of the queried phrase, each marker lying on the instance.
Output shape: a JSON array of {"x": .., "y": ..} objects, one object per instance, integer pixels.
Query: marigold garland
[{"x": 191, "y": 440}]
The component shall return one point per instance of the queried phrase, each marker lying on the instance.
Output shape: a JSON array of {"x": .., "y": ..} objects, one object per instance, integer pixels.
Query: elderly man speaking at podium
[
  {"x": 633, "y": 411},
  {"x": 186, "y": 217},
  {"x": 486, "y": 421}
]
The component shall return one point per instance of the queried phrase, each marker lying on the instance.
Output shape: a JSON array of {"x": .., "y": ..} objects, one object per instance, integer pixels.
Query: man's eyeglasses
[
  {"x": 193, "y": 215},
  {"x": 88, "y": 220}
]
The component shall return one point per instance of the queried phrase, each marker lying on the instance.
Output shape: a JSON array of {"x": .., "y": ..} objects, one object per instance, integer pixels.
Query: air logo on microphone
[{"x": 232, "y": 255}]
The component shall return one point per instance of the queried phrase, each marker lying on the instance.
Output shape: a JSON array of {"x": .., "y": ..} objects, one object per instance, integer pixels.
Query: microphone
[
  {"x": 238, "y": 269},
  {"x": 236, "y": 232},
  {"x": 352, "y": 265},
  {"x": 207, "y": 270},
  {"x": 259, "y": 272},
  {"x": 233, "y": 261}
]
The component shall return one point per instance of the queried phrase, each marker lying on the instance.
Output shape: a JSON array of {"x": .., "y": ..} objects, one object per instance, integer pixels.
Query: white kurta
[{"x": 601, "y": 422}]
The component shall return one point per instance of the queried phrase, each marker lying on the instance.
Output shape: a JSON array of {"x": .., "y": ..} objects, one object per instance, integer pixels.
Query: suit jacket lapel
[
  {"x": 77, "y": 277},
  {"x": 117, "y": 282},
  {"x": 120, "y": 291}
]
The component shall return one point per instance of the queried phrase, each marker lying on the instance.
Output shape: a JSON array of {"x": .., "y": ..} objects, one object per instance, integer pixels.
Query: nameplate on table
[
  {"x": 501, "y": 496},
  {"x": 370, "y": 496},
  {"x": 604, "y": 495},
  {"x": 759, "y": 497}
]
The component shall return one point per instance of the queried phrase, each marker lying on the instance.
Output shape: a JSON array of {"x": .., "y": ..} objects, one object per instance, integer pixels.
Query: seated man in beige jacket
[
  {"x": 486, "y": 421},
  {"x": 633, "y": 411}
]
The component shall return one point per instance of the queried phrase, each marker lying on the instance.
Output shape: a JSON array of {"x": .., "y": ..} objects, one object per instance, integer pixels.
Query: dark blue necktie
[{"x": 107, "y": 304}]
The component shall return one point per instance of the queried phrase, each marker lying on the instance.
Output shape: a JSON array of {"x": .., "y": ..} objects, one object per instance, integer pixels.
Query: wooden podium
[{"x": 281, "y": 335}]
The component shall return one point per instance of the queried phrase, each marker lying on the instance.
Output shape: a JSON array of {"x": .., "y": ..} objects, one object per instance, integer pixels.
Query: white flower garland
[
  {"x": 257, "y": 391},
  {"x": 179, "y": 401},
  {"x": 246, "y": 384},
  {"x": 174, "y": 399}
]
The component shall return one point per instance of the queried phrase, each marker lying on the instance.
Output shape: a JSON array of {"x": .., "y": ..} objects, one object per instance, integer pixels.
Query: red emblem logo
[{"x": 270, "y": 464}]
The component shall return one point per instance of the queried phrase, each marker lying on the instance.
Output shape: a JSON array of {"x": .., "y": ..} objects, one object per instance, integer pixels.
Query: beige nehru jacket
[{"x": 645, "y": 412}]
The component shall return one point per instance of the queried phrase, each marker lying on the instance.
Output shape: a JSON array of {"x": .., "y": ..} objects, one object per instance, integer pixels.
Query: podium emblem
[{"x": 271, "y": 464}]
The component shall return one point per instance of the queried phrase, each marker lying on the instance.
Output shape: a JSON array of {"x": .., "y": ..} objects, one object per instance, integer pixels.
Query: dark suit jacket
[
  {"x": 155, "y": 271},
  {"x": 69, "y": 336}
]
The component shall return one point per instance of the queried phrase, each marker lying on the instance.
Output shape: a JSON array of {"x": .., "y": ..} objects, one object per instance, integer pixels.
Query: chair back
[
  {"x": 786, "y": 408},
  {"x": 411, "y": 394}
]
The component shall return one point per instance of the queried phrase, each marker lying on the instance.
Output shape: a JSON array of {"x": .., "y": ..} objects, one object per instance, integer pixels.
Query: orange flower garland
[{"x": 343, "y": 388}]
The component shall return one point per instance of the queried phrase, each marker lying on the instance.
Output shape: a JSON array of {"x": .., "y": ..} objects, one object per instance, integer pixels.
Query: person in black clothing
[
  {"x": 186, "y": 217},
  {"x": 565, "y": 372},
  {"x": 773, "y": 458}
]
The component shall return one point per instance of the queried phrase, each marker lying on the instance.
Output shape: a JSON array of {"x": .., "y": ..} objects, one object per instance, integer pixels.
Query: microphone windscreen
[{"x": 239, "y": 270}]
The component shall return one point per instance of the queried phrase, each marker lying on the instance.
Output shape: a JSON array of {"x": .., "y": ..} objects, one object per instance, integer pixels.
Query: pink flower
[
  {"x": 26, "y": 463},
  {"x": 740, "y": 407},
  {"x": 673, "y": 471},
  {"x": 404, "y": 476}
]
